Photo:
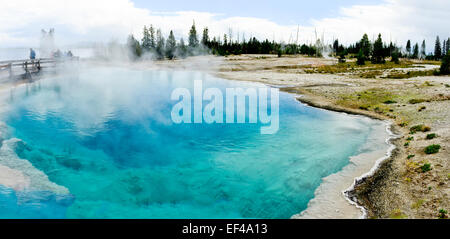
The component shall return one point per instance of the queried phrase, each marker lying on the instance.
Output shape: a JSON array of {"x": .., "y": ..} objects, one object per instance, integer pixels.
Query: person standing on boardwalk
[{"x": 32, "y": 54}]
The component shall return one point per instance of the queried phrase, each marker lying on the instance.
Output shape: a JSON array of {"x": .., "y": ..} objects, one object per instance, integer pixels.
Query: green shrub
[
  {"x": 390, "y": 102},
  {"x": 410, "y": 138},
  {"x": 431, "y": 136},
  {"x": 432, "y": 149},
  {"x": 416, "y": 128},
  {"x": 411, "y": 156},
  {"x": 378, "y": 110},
  {"x": 442, "y": 214},
  {"x": 279, "y": 53},
  {"x": 363, "y": 107},
  {"x": 416, "y": 101},
  {"x": 419, "y": 128},
  {"x": 426, "y": 167},
  {"x": 403, "y": 124}
]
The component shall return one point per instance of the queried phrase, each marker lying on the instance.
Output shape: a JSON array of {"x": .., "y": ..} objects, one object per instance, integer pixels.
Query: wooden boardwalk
[{"x": 24, "y": 69}]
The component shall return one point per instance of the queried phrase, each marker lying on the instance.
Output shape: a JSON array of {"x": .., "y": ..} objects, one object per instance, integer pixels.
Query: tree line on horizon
[
  {"x": 154, "y": 44},
  {"x": 379, "y": 50}
]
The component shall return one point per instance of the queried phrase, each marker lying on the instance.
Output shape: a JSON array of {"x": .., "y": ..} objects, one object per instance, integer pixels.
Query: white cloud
[
  {"x": 399, "y": 20},
  {"x": 102, "y": 20}
]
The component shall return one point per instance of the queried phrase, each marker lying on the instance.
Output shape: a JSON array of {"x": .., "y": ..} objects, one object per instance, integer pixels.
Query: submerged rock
[
  {"x": 39, "y": 181},
  {"x": 69, "y": 162}
]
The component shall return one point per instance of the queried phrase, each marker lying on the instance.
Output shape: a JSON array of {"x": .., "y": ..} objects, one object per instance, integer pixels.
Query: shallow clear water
[{"x": 106, "y": 135}]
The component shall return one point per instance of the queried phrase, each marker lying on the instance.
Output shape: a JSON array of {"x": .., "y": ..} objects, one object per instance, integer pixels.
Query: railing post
[{"x": 10, "y": 70}]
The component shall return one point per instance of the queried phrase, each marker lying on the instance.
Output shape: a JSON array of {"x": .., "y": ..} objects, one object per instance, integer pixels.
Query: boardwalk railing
[{"x": 29, "y": 66}]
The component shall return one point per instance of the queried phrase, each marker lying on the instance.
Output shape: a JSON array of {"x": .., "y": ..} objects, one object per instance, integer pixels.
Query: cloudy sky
[{"x": 78, "y": 21}]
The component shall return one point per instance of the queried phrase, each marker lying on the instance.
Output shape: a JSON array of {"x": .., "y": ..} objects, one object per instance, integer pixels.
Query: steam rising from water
[
  {"x": 47, "y": 43},
  {"x": 106, "y": 135}
]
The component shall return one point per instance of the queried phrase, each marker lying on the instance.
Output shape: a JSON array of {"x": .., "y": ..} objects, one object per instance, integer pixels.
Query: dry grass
[
  {"x": 368, "y": 71},
  {"x": 410, "y": 74}
]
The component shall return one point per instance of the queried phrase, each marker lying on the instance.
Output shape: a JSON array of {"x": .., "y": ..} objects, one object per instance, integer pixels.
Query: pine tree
[
  {"x": 225, "y": 40},
  {"x": 448, "y": 45},
  {"x": 336, "y": 46},
  {"x": 182, "y": 49},
  {"x": 423, "y": 50},
  {"x": 378, "y": 51},
  {"x": 360, "y": 58},
  {"x": 205, "y": 37},
  {"x": 395, "y": 57},
  {"x": 365, "y": 46},
  {"x": 171, "y": 46},
  {"x": 437, "y": 49},
  {"x": 193, "y": 40},
  {"x": 159, "y": 45},
  {"x": 445, "y": 66},
  {"x": 444, "y": 48},
  {"x": 408, "y": 48},
  {"x": 152, "y": 41},
  {"x": 134, "y": 48},
  {"x": 415, "y": 54},
  {"x": 392, "y": 48},
  {"x": 145, "y": 40}
]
